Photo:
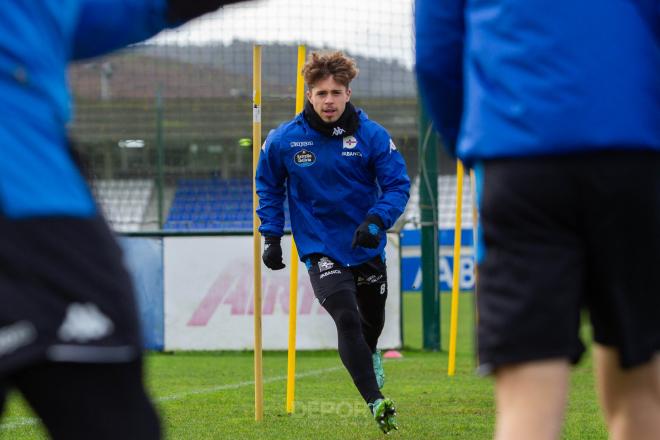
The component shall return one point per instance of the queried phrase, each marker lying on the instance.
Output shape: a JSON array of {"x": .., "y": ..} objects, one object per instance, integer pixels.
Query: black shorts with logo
[
  {"x": 328, "y": 277},
  {"x": 65, "y": 294},
  {"x": 563, "y": 234}
]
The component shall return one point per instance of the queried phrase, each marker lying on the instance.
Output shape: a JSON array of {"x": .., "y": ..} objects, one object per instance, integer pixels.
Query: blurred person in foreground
[
  {"x": 69, "y": 333},
  {"x": 556, "y": 105},
  {"x": 346, "y": 184}
]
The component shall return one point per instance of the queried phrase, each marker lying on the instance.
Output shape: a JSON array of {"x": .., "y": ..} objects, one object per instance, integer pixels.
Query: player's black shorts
[
  {"x": 328, "y": 277},
  {"x": 65, "y": 295},
  {"x": 563, "y": 234}
]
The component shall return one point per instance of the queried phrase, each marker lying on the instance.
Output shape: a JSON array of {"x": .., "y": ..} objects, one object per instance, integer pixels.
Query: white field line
[
  {"x": 234, "y": 386},
  {"x": 21, "y": 422}
]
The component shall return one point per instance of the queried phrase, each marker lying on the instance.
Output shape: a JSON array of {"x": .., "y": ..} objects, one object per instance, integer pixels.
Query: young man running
[{"x": 347, "y": 184}]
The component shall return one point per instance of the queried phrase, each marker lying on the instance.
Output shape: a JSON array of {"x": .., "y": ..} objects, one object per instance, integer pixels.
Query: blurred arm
[
  {"x": 106, "y": 25},
  {"x": 440, "y": 33}
]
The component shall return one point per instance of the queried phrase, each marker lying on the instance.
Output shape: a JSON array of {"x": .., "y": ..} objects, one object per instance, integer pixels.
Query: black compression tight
[
  {"x": 353, "y": 348},
  {"x": 371, "y": 304}
]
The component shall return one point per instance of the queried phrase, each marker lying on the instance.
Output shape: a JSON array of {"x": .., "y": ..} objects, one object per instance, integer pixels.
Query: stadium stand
[
  {"x": 446, "y": 204},
  {"x": 124, "y": 201},
  {"x": 213, "y": 204},
  {"x": 226, "y": 204}
]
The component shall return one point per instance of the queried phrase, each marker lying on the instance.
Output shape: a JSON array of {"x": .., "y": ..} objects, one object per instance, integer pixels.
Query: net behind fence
[{"x": 176, "y": 111}]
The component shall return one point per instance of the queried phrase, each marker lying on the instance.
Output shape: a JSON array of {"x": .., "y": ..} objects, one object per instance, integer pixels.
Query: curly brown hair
[{"x": 321, "y": 65}]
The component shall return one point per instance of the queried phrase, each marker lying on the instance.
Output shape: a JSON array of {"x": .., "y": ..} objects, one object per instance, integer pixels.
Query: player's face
[{"x": 329, "y": 98}]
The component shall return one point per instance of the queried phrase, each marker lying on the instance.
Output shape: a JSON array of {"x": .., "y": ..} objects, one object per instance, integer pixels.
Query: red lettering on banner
[
  {"x": 234, "y": 287},
  {"x": 238, "y": 300},
  {"x": 210, "y": 302},
  {"x": 283, "y": 295},
  {"x": 271, "y": 292}
]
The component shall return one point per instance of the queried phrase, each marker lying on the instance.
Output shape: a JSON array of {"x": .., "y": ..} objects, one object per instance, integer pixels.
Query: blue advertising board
[
  {"x": 411, "y": 273},
  {"x": 144, "y": 260}
]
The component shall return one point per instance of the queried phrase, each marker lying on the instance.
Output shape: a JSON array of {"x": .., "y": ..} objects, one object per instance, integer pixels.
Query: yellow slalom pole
[
  {"x": 293, "y": 280},
  {"x": 453, "y": 325},
  {"x": 256, "y": 148}
]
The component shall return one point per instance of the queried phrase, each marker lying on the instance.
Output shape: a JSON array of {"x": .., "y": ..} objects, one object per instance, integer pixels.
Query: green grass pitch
[{"x": 210, "y": 395}]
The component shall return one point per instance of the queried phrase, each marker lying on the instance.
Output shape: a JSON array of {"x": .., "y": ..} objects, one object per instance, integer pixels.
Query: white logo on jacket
[
  {"x": 338, "y": 131},
  {"x": 392, "y": 146},
  {"x": 295, "y": 144}
]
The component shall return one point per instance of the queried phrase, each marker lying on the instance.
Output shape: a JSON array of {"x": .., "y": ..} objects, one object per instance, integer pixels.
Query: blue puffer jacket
[
  {"x": 333, "y": 183},
  {"x": 38, "y": 38},
  {"x": 508, "y": 78}
]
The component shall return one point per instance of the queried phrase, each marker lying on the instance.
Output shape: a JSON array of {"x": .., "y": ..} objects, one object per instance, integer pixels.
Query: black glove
[
  {"x": 184, "y": 10},
  {"x": 272, "y": 255},
  {"x": 369, "y": 233}
]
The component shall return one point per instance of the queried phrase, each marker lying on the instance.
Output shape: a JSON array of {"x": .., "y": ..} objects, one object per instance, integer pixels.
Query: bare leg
[
  {"x": 530, "y": 399},
  {"x": 630, "y": 398}
]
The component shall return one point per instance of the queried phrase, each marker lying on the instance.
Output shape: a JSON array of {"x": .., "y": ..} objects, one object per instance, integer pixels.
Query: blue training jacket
[
  {"x": 333, "y": 183},
  {"x": 38, "y": 38},
  {"x": 508, "y": 78}
]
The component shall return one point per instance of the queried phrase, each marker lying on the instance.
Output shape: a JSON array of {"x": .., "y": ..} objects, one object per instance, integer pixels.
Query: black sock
[{"x": 353, "y": 349}]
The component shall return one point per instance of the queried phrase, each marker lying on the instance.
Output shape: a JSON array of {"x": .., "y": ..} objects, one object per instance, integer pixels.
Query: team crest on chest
[{"x": 349, "y": 142}]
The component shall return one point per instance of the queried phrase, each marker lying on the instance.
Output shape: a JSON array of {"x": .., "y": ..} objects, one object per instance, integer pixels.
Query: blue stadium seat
[{"x": 214, "y": 204}]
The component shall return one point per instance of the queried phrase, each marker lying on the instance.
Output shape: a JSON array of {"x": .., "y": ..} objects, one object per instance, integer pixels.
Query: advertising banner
[
  {"x": 208, "y": 283},
  {"x": 143, "y": 258},
  {"x": 411, "y": 270}
]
